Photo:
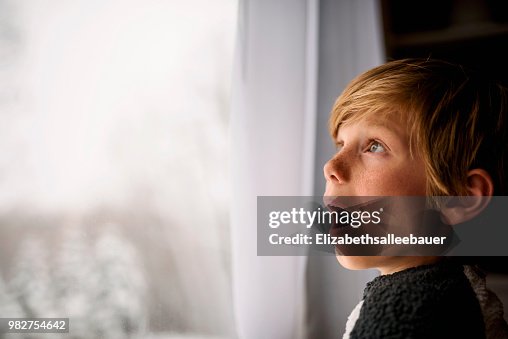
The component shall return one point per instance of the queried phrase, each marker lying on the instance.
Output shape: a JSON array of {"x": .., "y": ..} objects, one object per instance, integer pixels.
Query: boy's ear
[{"x": 480, "y": 189}]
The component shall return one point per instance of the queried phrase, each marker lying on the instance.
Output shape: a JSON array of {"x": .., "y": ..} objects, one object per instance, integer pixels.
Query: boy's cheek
[
  {"x": 379, "y": 187},
  {"x": 402, "y": 178},
  {"x": 404, "y": 181},
  {"x": 389, "y": 184}
]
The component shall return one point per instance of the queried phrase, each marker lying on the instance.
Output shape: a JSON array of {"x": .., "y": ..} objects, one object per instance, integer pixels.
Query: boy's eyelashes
[
  {"x": 338, "y": 145},
  {"x": 376, "y": 146},
  {"x": 372, "y": 146}
]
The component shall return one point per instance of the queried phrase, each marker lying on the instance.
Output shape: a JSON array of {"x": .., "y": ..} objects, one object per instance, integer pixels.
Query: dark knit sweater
[{"x": 430, "y": 301}]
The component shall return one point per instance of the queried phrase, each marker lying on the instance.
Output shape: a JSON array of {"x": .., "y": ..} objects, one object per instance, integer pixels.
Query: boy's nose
[{"x": 335, "y": 170}]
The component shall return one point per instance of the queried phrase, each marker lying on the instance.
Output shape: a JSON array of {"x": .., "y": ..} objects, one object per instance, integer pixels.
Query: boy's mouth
[
  {"x": 353, "y": 203},
  {"x": 339, "y": 210},
  {"x": 359, "y": 206}
]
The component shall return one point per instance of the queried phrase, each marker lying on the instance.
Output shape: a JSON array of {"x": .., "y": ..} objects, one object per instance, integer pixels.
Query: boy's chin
[{"x": 359, "y": 262}]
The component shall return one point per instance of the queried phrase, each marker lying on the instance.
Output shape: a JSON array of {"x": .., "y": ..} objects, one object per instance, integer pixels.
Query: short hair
[{"x": 457, "y": 117}]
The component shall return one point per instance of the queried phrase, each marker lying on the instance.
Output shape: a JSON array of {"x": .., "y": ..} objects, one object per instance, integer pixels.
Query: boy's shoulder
[
  {"x": 431, "y": 280},
  {"x": 421, "y": 302}
]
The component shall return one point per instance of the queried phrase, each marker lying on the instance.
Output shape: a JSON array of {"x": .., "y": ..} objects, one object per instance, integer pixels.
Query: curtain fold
[
  {"x": 269, "y": 130},
  {"x": 350, "y": 42}
]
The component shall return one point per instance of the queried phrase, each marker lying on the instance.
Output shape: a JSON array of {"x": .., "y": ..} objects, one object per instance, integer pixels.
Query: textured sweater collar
[{"x": 419, "y": 274}]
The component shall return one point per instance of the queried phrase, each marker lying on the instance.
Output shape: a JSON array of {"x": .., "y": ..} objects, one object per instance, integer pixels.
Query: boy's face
[{"x": 373, "y": 159}]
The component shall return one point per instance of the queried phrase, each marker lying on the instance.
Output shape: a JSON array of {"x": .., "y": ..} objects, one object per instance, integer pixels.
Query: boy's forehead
[{"x": 393, "y": 121}]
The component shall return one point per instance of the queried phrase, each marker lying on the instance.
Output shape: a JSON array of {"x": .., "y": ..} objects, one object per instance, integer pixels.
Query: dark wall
[{"x": 471, "y": 32}]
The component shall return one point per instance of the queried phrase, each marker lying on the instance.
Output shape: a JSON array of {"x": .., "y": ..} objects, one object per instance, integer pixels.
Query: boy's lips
[
  {"x": 334, "y": 202},
  {"x": 349, "y": 202}
]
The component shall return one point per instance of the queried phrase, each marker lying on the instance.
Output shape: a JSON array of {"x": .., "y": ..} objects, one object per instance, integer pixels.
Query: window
[{"x": 114, "y": 170}]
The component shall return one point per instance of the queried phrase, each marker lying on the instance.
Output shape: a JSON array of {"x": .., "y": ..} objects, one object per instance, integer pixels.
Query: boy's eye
[
  {"x": 376, "y": 147},
  {"x": 338, "y": 146}
]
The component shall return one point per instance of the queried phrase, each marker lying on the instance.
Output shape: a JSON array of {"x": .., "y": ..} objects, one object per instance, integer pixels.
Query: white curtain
[
  {"x": 350, "y": 41},
  {"x": 277, "y": 142}
]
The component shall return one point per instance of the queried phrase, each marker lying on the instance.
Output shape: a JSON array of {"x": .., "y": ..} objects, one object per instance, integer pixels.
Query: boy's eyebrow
[
  {"x": 386, "y": 122},
  {"x": 393, "y": 129},
  {"x": 386, "y": 126},
  {"x": 389, "y": 129}
]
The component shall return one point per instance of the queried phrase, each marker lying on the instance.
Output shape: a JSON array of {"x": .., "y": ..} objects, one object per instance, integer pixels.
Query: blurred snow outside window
[{"x": 114, "y": 207}]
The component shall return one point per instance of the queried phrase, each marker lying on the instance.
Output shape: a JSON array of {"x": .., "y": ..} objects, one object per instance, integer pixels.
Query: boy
[{"x": 421, "y": 127}]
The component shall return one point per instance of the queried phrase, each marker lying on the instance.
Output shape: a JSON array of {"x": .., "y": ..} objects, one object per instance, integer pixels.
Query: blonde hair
[{"x": 456, "y": 118}]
